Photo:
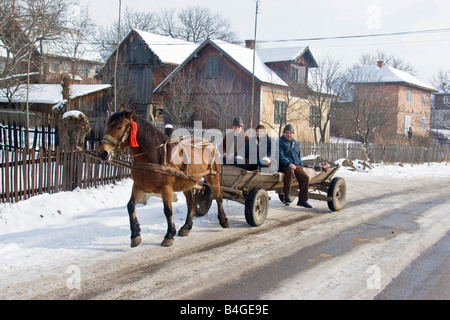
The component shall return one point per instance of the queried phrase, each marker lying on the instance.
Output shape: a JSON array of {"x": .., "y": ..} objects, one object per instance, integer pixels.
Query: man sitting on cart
[
  {"x": 259, "y": 152},
  {"x": 291, "y": 165},
  {"x": 233, "y": 144}
]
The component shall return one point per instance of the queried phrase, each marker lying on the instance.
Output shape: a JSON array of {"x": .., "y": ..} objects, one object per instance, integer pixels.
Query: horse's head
[{"x": 117, "y": 133}]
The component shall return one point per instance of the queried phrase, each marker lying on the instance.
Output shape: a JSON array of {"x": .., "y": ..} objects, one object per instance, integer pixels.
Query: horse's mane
[{"x": 151, "y": 139}]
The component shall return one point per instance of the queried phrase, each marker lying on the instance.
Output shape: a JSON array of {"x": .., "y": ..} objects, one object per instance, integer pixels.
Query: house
[
  {"x": 71, "y": 53},
  {"x": 440, "y": 115},
  {"x": 144, "y": 61},
  {"x": 400, "y": 103},
  {"x": 45, "y": 98},
  {"x": 214, "y": 84}
]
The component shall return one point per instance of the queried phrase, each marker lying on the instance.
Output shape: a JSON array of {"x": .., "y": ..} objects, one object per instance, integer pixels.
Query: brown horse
[{"x": 193, "y": 160}]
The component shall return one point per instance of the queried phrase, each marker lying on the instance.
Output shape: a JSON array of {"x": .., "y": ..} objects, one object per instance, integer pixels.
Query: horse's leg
[
  {"x": 186, "y": 228},
  {"x": 166, "y": 195},
  {"x": 136, "y": 196},
  {"x": 214, "y": 183}
]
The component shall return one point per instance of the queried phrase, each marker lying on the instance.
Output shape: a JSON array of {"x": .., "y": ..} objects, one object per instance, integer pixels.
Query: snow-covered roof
[
  {"x": 51, "y": 93},
  {"x": 243, "y": 57},
  {"x": 168, "y": 50},
  {"x": 386, "y": 74},
  {"x": 280, "y": 54},
  {"x": 65, "y": 47}
]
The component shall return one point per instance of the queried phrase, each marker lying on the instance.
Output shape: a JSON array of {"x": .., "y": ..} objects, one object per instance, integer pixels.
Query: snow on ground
[{"x": 43, "y": 230}]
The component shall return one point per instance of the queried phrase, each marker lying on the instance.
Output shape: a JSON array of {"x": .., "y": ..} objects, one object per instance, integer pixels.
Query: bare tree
[
  {"x": 371, "y": 58},
  {"x": 26, "y": 24},
  {"x": 441, "y": 80},
  {"x": 365, "y": 109},
  {"x": 106, "y": 36},
  {"x": 181, "y": 103},
  {"x": 325, "y": 89},
  {"x": 197, "y": 23},
  {"x": 441, "y": 114}
]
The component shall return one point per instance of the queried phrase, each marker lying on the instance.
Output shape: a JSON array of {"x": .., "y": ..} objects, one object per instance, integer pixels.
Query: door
[{"x": 407, "y": 123}]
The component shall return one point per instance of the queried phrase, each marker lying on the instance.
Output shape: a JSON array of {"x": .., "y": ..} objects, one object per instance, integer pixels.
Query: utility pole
[
  {"x": 117, "y": 57},
  {"x": 253, "y": 73}
]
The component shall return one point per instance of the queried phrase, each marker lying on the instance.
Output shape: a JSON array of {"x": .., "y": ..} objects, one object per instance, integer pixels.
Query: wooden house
[
  {"x": 44, "y": 99},
  {"x": 215, "y": 83},
  {"x": 144, "y": 61}
]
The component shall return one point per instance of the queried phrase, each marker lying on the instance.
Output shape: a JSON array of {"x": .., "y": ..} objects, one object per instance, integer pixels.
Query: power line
[{"x": 360, "y": 36}]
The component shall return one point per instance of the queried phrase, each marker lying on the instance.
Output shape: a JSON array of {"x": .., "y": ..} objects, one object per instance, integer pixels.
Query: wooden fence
[
  {"x": 45, "y": 168},
  {"x": 377, "y": 153},
  {"x": 28, "y": 173}
]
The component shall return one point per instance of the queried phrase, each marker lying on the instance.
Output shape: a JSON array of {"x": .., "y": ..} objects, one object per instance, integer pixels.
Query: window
[
  {"x": 280, "y": 112},
  {"x": 298, "y": 74},
  {"x": 423, "y": 123},
  {"x": 446, "y": 99},
  {"x": 408, "y": 95},
  {"x": 314, "y": 116},
  {"x": 212, "y": 67},
  {"x": 375, "y": 120},
  {"x": 424, "y": 99},
  {"x": 294, "y": 74}
]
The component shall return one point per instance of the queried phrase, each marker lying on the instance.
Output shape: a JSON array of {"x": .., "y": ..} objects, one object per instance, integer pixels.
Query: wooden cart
[{"x": 250, "y": 188}]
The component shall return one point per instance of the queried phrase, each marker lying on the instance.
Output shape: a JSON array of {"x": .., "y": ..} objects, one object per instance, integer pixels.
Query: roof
[
  {"x": 243, "y": 57},
  {"x": 386, "y": 74},
  {"x": 281, "y": 54},
  {"x": 65, "y": 46},
  {"x": 169, "y": 50},
  {"x": 51, "y": 93}
]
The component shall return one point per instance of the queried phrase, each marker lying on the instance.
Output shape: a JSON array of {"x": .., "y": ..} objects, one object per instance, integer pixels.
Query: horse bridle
[{"x": 108, "y": 139}]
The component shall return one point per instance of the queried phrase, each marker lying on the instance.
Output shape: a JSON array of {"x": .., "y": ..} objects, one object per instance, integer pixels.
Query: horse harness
[
  {"x": 117, "y": 142},
  {"x": 160, "y": 168}
]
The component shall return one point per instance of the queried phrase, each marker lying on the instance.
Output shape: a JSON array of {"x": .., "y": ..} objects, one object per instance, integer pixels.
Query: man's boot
[{"x": 287, "y": 198}]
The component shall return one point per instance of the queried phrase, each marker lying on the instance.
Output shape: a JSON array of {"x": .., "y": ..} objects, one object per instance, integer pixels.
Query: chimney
[
  {"x": 250, "y": 44},
  {"x": 380, "y": 64}
]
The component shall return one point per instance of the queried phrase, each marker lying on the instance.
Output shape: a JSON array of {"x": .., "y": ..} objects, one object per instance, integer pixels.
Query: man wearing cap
[
  {"x": 291, "y": 165},
  {"x": 233, "y": 144}
]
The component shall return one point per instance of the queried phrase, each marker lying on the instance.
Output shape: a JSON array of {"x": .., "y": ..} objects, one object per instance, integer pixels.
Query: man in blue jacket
[{"x": 291, "y": 165}]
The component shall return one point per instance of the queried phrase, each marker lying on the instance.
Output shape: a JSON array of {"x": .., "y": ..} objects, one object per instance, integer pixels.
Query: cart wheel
[
  {"x": 338, "y": 192},
  {"x": 256, "y": 207},
  {"x": 203, "y": 200}
]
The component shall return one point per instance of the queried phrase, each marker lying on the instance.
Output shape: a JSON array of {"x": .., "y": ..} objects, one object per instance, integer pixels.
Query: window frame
[
  {"x": 280, "y": 110},
  {"x": 212, "y": 67}
]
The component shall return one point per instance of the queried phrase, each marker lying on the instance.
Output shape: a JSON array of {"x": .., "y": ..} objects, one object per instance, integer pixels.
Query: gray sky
[{"x": 300, "y": 19}]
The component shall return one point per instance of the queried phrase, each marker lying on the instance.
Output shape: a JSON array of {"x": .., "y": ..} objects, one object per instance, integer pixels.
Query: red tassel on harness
[{"x": 133, "y": 131}]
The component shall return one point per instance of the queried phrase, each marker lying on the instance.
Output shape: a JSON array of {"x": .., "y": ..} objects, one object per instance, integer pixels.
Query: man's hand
[{"x": 292, "y": 166}]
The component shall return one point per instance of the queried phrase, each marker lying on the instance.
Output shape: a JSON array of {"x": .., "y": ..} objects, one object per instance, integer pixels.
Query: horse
[{"x": 189, "y": 160}]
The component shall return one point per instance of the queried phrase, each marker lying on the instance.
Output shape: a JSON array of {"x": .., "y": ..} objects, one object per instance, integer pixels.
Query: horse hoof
[
  {"x": 183, "y": 232},
  {"x": 167, "y": 242},
  {"x": 225, "y": 223},
  {"x": 136, "y": 241}
]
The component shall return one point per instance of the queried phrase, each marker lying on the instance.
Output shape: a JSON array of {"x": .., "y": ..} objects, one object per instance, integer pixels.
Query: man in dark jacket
[
  {"x": 258, "y": 150},
  {"x": 233, "y": 144},
  {"x": 291, "y": 165}
]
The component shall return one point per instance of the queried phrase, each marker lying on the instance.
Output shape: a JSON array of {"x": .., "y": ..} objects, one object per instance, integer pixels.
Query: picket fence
[
  {"x": 46, "y": 168},
  {"x": 26, "y": 173}
]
